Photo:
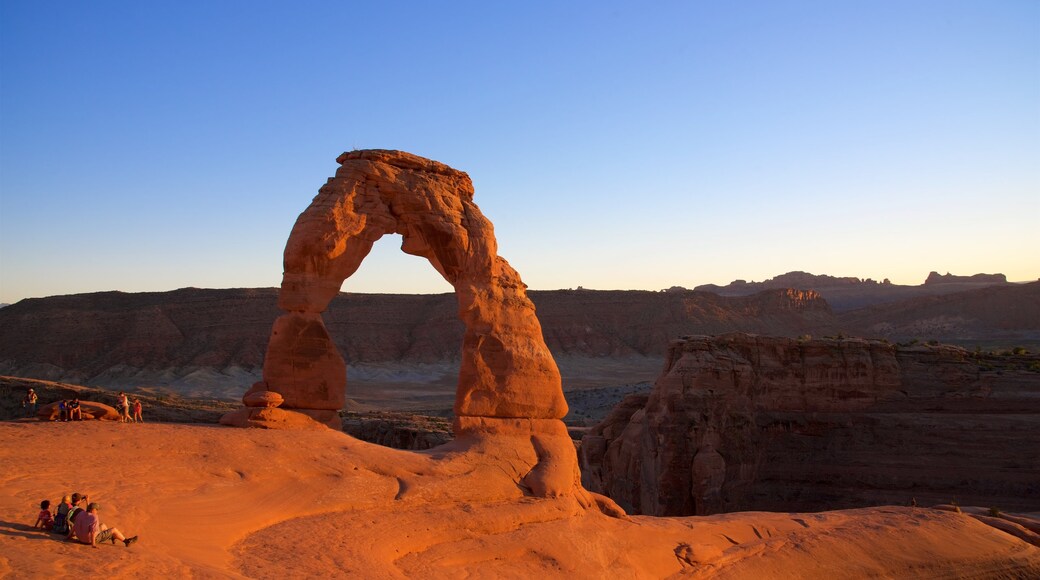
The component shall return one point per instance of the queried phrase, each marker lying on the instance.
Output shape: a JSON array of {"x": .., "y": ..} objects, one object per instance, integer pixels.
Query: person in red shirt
[
  {"x": 45, "y": 520},
  {"x": 137, "y": 411},
  {"x": 88, "y": 529}
]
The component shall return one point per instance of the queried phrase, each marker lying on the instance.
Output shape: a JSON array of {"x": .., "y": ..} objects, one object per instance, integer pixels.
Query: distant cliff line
[
  {"x": 846, "y": 293},
  {"x": 160, "y": 338}
]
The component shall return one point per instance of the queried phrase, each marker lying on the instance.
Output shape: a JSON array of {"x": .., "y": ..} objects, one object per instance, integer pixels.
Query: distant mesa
[
  {"x": 948, "y": 278},
  {"x": 796, "y": 279},
  {"x": 849, "y": 293}
]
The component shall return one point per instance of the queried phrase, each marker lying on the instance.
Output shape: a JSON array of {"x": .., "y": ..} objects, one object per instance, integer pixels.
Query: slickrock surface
[
  {"x": 214, "y": 502},
  {"x": 740, "y": 422}
]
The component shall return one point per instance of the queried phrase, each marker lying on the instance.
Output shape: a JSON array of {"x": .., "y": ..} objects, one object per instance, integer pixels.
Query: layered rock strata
[
  {"x": 744, "y": 422},
  {"x": 509, "y": 385}
]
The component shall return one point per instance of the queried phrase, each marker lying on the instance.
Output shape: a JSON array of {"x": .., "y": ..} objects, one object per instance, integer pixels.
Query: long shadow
[{"x": 20, "y": 530}]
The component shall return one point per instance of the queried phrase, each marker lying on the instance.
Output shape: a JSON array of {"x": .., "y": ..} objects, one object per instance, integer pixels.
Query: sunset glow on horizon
[{"x": 148, "y": 147}]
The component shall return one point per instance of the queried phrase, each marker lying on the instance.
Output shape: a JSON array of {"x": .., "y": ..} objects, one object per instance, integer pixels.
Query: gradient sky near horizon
[{"x": 150, "y": 146}]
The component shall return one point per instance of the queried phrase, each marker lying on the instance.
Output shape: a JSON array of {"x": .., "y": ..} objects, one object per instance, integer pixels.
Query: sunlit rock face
[
  {"x": 509, "y": 383},
  {"x": 743, "y": 422}
]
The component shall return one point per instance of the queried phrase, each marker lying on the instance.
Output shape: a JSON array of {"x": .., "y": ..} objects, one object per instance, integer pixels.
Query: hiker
[
  {"x": 75, "y": 412},
  {"x": 89, "y": 530},
  {"x": 63, "y": 410},
  {"x": 29, "y": 402},
  {"x": 137, "y": 411},
  {"x": 124, "y": 407},
  {"x": 44, "y": 519}
]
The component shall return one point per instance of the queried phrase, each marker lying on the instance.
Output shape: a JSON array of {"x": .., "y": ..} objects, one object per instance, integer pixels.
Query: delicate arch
[{"x": 506, "y": 370}]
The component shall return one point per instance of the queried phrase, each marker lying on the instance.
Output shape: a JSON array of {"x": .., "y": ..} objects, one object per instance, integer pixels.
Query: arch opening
[
  {"x": 409, "y": 359},
  {"x": 506, "y": 371}
]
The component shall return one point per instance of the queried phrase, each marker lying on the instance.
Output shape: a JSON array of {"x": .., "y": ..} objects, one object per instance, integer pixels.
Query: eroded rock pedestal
[{"x": 509, "y": 385}]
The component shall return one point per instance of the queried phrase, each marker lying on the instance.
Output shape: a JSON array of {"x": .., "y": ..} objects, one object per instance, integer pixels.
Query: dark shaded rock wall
[{"x": 743, "y": 422}]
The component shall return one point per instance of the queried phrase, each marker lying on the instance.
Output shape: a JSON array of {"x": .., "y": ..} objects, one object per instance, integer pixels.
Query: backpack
[
  {"x": 72, "y": 518},
  {"x": 61, "y": 521}
]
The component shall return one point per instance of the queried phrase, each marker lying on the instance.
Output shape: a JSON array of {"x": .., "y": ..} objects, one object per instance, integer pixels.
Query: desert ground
[{"x": 218, "y": 502}]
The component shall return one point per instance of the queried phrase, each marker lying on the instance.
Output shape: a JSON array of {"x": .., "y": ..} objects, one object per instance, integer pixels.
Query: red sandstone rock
[
  {"x": 263, "y": 399},
  {"x": 274, "y": 418},
  {"x": 506, "y": 370},
  {"x": 509, "y": 388},
  {"x": 91, "y": 410},
  {"x": 743, "y": 422}
]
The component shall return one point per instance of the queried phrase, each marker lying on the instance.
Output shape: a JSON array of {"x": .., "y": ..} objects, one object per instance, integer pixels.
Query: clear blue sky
[{"x": 158, "y": 145}]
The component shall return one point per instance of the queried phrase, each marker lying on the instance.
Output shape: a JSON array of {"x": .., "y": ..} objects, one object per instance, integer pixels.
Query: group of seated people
[
  {"x": 70, "y": 410},
  {"x": 79, "y": 523}
]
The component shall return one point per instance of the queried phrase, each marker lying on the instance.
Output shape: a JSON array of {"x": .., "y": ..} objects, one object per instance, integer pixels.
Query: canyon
[
  {"x": 403, "y": 350},
  {"x": 740, "y": 422},
  {"x": 724, "y": 426}
]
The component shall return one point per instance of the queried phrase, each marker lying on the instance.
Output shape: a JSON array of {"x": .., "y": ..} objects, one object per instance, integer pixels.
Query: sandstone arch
[{"x": 509, "y": 384}]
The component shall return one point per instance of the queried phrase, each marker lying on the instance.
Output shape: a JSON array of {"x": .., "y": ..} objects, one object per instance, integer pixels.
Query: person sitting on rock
[
  {"x": 75, "y": 412},
  {"x": 89, "y": 530},
  {"x": 63, "y": 410}
]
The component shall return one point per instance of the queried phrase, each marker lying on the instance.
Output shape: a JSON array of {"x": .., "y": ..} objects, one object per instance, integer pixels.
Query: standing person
[
  {"x": 137, "y": 411},
  {"x": 75, "y": 412},
  {"x": 124, "y": 407},
  {"x": 89, "y": 530},
  {"x": 29, "y": 402}
]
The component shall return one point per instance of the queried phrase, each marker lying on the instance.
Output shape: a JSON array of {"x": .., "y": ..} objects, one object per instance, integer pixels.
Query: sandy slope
[{"x": 220, "y": 502}]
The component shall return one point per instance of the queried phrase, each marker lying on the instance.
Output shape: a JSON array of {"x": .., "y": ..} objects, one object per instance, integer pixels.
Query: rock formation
[
  {"x": 742, "y": 422},
  {"x": 508, "y": 385},
  {"x": 948, "y": 278},
  {"x": 849, "y": 293},
  {"x": 1010, "y": 314},
  {"x": 211, "y": 343},
  {"x": 91, "y": 411},
  {"x": 398, "y": 430}
]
